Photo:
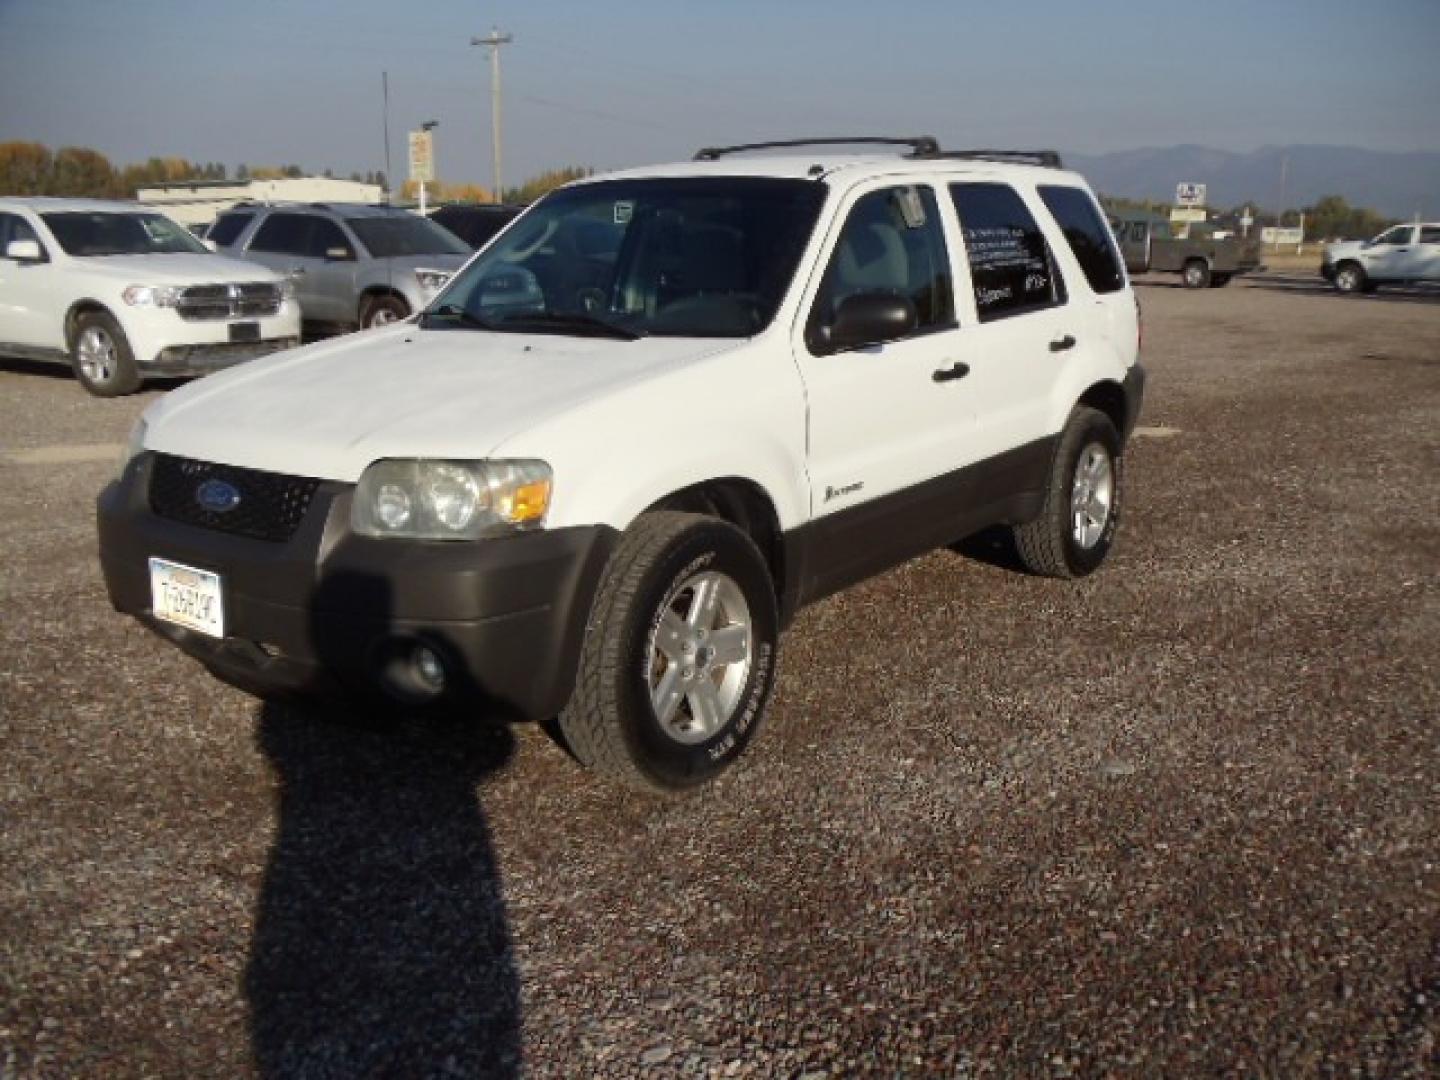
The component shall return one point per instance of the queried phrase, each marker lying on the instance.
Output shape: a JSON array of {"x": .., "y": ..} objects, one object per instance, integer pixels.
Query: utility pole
[{"x": 493, "y": 42}]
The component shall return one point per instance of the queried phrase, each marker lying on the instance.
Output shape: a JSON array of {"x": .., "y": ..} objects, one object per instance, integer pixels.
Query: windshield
[
  {"x": 704, "y": 257},
  {"x": 404, "y": 234},
  {"x": 97, "y": 232}
]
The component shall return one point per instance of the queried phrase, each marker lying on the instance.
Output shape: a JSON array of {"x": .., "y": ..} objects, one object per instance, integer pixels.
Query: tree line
[{"x": 29, "y": 168}]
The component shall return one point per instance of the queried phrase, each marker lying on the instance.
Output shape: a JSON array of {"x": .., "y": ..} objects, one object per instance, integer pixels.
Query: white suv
[
  {"x": 119, "y": 293},
  {"x": 662, "y": 411}
]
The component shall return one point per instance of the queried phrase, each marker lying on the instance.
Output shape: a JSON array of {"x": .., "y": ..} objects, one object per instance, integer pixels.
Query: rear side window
[
  {"x": 1011, "y": 269},
  {"x": 1079, "y": 219},
  {"x": 227, "y": 228},
  {"x": 1430, "y": 234}
]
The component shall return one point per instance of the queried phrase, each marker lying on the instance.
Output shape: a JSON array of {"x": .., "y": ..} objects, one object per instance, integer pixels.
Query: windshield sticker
[{"x": 623, "y": 212}]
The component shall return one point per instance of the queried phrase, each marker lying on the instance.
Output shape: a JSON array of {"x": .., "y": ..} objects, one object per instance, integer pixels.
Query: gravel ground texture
[{"x": 1177, "y": 819}]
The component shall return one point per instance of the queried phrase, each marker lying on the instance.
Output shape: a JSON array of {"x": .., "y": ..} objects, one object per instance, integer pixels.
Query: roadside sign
[
  {"x": 1289, "y": 235},
  {"x": 1190, "y": 214},
  {"x": 422, "y": 157},
  {"x": 1189, "y": 194}
]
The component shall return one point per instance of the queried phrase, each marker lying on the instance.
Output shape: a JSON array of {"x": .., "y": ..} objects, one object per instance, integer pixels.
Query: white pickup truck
[
  {"x": 1404, "y": 254},
  {"x": 120, "y": 293}
]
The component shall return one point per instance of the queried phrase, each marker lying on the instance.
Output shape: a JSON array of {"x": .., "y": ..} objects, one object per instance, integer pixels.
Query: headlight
[
  {"x": 287, "y": 289},
  {"x": 151, "y": 295},
  {"x": 432, "y": 280},
  {"x": 134, "y": 445},
  {"x": 450, "y": 500}
]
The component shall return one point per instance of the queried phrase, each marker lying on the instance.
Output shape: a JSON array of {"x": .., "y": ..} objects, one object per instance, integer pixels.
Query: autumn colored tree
[{"x": 24, "y": 168}]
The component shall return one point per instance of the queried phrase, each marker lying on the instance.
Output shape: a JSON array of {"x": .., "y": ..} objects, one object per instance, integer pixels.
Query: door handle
[
  {"x": 956, "y": 370},
  {"x": 1063, "y": 343},
  {"x": 297, "y": 271}
]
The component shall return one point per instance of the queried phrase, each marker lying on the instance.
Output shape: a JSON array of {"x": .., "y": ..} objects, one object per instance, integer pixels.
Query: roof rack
[
  {"x": 1048, "y": 158},
  {"x": 920, "y": 145}
]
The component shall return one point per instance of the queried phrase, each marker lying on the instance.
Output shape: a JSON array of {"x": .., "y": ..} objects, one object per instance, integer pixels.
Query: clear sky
[{"x": 271, "y": 82}]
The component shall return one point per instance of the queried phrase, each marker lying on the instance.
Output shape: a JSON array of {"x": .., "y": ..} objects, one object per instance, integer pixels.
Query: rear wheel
[
  {"x": 1076, "y": 525},
  {"x": 679, "y": 655},
  {"x": 101, "y": 356},
  {"x": 1195, "y": 274}
]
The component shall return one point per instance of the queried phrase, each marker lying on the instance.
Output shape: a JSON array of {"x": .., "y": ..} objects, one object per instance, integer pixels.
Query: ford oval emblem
[{"x": 217, "y": 496}]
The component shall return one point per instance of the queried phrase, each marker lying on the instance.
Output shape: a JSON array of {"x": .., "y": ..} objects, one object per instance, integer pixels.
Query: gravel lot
[{"x": 1178, "y": 819}]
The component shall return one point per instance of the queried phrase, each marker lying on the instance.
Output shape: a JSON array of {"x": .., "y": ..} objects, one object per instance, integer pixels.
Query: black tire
[
  {"x": 612, "y": 724},
  {"x": 1219, "y": 281},
  {"x": 1049, "y": 545},
  {"x": 382, "y": 310},
  {"x": 101, "y": 357},
  {"x": 1350, "y": 278},
  {"x": 1195, "y": 274}
]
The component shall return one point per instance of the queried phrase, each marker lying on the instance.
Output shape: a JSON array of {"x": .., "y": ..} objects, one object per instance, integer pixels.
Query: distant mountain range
[{"x": 1396, "y": 184}]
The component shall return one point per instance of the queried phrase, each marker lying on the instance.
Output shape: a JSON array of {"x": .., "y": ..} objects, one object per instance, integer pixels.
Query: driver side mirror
[
  {"x": 870, "y": 318},
  {"x": 24, "y": 251}
]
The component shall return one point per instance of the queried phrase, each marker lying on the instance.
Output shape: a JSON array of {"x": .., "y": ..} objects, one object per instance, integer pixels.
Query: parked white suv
[
  {"x": 119, "y": 292},
  {"x": 1404, "y": 254},
  {"x": 665, "y": 409}
]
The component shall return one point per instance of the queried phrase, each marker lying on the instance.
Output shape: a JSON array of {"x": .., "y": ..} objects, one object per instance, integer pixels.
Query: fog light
[{"x": 429, "y": 670}]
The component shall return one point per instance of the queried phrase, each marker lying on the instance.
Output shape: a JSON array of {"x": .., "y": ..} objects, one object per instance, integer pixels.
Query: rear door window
[
  {"x": 1011, "y": 269},
  {"x": 1430, "y": 234},
  {"x": 1079, "y": 219}
]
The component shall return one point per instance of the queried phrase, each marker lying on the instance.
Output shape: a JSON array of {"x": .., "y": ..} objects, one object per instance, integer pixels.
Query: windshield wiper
[
  {"x": 454, "y": 314},
  {"x": 574, "y": 323}
]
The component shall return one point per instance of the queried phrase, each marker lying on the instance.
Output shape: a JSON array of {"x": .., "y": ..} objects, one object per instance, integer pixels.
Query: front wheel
[
  {"x": 101, "y": 356},
  {"x": 1081, "y": 511},
  {"x": 1350, "y": 278},
  {"x": 382, "y": 311},
  {"x": 679, "y": 655}
]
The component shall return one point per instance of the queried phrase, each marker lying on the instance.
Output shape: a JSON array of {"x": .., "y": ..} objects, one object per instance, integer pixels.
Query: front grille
[
  {"x": 271, "y": 505},
  {"x": 250, "y": 300}
]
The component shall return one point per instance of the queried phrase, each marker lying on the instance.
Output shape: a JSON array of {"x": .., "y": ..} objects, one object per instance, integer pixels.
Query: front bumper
[
  {"x": 163, "y": 343},
  {"x": 331, "y": 614},
  {"x": 203, "y": 359},
  {"x": 1327, "y": 270}
]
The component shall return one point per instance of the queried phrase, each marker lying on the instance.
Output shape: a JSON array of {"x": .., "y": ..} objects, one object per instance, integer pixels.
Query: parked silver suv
[{"x": 352, "y": 265}]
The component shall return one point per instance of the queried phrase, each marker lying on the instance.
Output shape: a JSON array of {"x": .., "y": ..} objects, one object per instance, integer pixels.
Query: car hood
[
  {"x": 177, "y": 269},
  {"x": 329, "y": 410}
]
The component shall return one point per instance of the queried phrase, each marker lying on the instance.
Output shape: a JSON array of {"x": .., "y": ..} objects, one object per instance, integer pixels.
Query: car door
[
  {"x": 1023, "y": 322},
  {"x": 886, "y": 422},
  {"x": 282, "y": 242},
  {"x": 31, "y": 315},
  {"x": 1425, "y": 264},
  {"x": 331, "y": 273},
  {"x": 1388, "y": 258}
]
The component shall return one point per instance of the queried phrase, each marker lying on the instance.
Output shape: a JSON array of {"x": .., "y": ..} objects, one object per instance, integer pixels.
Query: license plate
[
  {"x": 244, "y": 331},
  {"x": 187, "y": 597}
]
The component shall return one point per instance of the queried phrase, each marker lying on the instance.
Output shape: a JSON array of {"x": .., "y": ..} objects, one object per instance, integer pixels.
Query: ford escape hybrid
[{"x": 597, "y": 475}]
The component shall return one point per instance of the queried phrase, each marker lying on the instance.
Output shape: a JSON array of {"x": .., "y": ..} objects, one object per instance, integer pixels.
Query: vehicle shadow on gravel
[
  {"x": 994, "y": 547},
  {"x": 381, "y": 945},
  {"x": 1318, "y": 286}
]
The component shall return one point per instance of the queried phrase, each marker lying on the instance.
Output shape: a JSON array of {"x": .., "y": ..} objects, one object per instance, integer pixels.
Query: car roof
[
  {"x": 349, "y": 210},
  {"x": 49, "y": 204},
  {"x": 852, "y": 167}
]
